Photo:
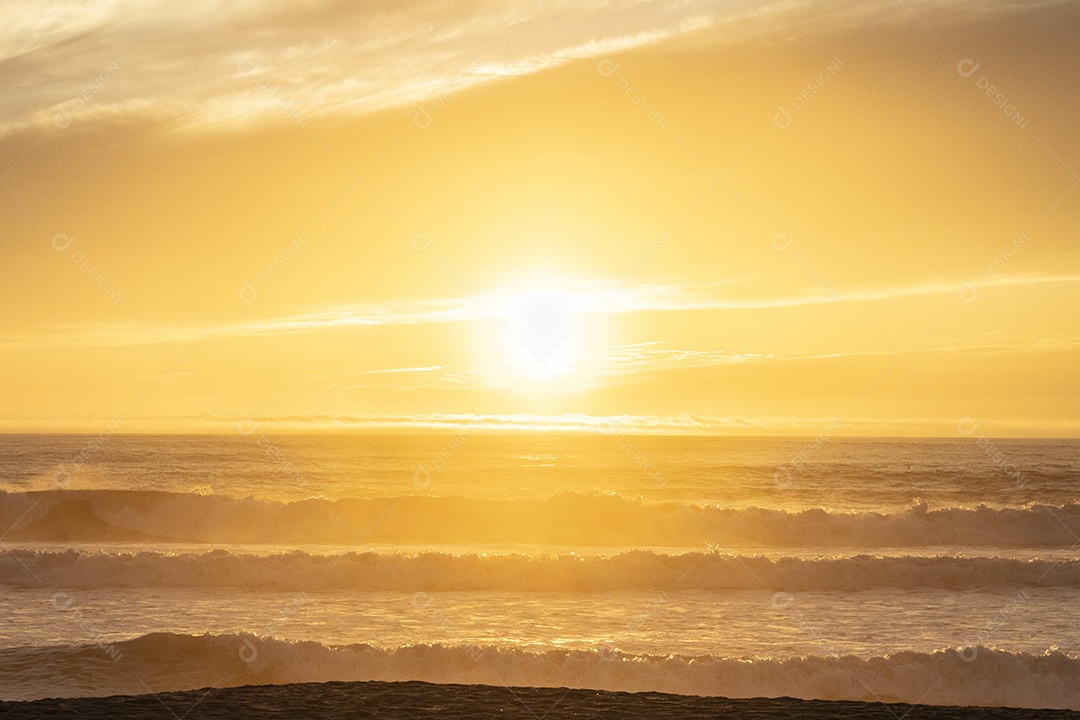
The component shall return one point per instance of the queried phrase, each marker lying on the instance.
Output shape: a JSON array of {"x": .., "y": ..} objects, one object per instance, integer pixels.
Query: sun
[
  {"x": 544, "y": 337},
  {"x": 542, "y": 334},
  {"x": 542, "y": 331}
]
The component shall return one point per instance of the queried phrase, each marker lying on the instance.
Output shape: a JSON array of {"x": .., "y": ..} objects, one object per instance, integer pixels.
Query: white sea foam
[{"x": 165, "y": 661}]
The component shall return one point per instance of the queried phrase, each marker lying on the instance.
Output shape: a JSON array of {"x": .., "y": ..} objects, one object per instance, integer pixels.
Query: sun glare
[{"x": 542, "y": 334}]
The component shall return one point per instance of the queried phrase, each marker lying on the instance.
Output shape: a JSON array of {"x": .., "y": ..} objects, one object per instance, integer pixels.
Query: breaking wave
[
  {"x": 565, "y": 519},
  {"x": 164, "y": 661}
]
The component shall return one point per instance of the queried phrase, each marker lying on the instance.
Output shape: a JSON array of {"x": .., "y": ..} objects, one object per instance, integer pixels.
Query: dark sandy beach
[{"x": 403, "y": 700}]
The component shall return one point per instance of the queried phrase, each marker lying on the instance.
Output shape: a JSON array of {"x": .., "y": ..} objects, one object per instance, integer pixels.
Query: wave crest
[
  {"x": 565, "y": 519},
  {"x": 165, "y": 661}
]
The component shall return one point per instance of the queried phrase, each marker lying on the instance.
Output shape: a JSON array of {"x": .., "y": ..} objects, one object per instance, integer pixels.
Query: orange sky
[{"x": 680, "y": 217}]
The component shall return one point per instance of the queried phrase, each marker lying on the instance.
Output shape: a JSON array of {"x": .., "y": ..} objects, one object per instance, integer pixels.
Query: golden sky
[{"x": 728, "y": 217}]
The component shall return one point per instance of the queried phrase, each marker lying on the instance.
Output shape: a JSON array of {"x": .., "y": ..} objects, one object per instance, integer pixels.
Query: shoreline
[{"x": 415, "y": 699}]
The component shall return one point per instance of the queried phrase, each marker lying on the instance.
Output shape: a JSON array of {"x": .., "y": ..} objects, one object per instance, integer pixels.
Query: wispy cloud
[
  {"x": 620, "y": 363},
  {"x": 206, "y": 65},
  {"x": 685, "y": 423},
  {"x": 707, "y": 297},
  {"x": 650, "y": 357},
  {"x": 385, "y": 371},
  {"x": 636, "y": 359},
  {"x": 211, "y": 66},
  {"x": 612, "y": 426},
  {"x": 158, "y": 377},
  {"x": 669, "y": 298}
]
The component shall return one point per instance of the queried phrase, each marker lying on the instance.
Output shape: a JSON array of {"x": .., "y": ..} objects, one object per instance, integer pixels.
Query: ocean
[{"x": 931, "y": 572}]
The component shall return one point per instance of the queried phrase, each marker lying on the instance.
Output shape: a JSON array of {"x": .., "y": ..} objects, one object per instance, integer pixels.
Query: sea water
[{"x": 933, "y": 571}]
